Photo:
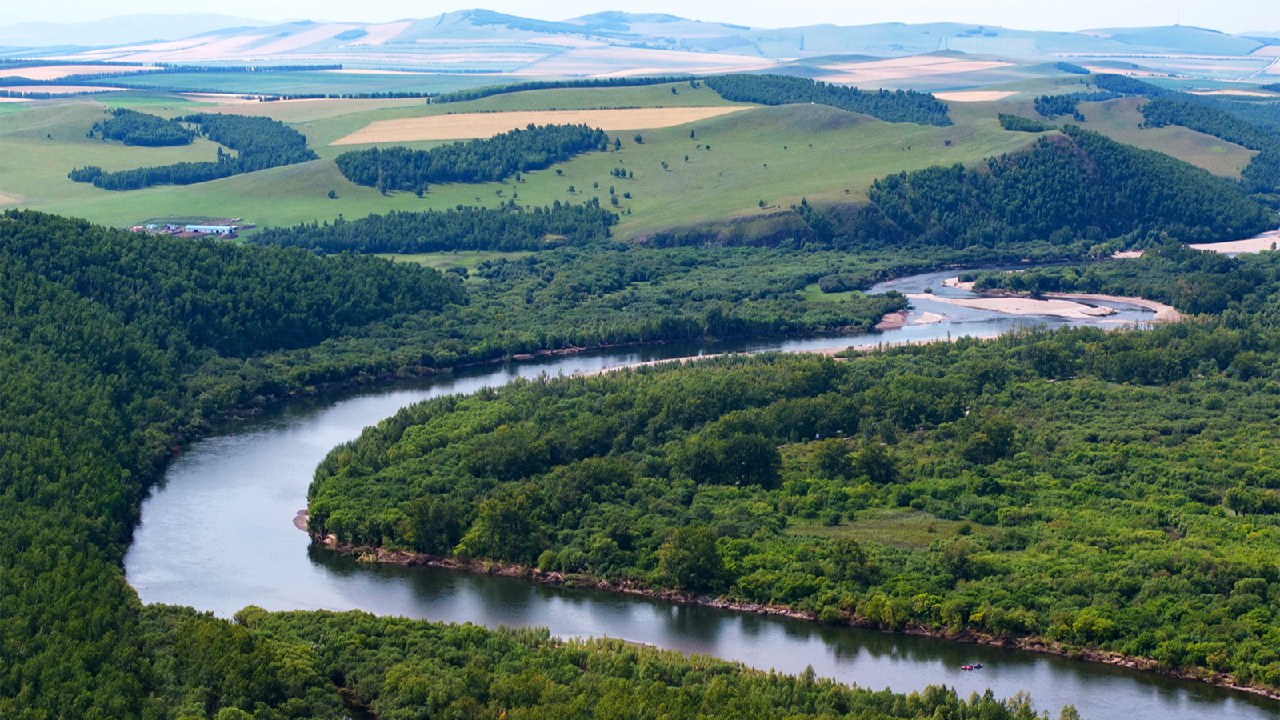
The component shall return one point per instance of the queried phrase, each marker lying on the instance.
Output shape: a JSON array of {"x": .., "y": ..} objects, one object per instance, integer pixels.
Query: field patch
[
  {"x": 483, "y": 125},
  {"x": 59, "y": 89},
  {"x": 910, "y": 67},
  {"x": 53, "y": 72},
  {"x": 975, "y": 95}
]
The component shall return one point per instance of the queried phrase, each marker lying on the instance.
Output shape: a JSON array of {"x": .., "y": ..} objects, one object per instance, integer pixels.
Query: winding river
[{"x": 217, "y": 534}]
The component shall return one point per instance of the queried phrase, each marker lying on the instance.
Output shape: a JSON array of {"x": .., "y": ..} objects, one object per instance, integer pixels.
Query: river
[{"x": 217, "y": 534}]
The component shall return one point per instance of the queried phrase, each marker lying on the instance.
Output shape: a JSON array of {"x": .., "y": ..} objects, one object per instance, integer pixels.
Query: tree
[
  {"x": 673, "y": 91},
  {"x": 690, "y": 134},
  {"x": 639, "y": 140},
  {"x": 692, "y": 559},
  {"x": 875, "y": 462},
  {"x": 334, "y": 193}
]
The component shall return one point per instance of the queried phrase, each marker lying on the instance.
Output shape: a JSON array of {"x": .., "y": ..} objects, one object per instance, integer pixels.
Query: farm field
[{"x": 481, "y": 125}]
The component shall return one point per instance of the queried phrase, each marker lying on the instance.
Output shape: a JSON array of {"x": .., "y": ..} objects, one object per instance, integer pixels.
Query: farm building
[{"x": 228, "y": 230}]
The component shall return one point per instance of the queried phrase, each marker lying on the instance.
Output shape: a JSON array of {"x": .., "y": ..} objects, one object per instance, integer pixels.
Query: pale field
[
  {"x": 378, "y": 34},
  {"x": 1249, "y": 93},
  {"x": 53, "y": 72},
  {"x": 58, "y": 89},
  {"x": 370, "y": 71},
  {"x": 479, "y": 125},
  {"x": 224, "y": 49},
  {"x": 614, "y": 61},
  {"x": 910, "y": 67},
  {"x": 301, "y": 40},
  {"x": 975, "y": 95}
]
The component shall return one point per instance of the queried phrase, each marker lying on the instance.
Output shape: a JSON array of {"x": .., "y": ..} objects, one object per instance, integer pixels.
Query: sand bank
[
  {"x": 1252, "y": 245},
  {"x": 1025, "y": 306}
]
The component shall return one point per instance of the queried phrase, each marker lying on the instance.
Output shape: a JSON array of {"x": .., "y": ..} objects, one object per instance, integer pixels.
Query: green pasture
[
  {"x": 468, "y": 259},
  {"x": 901, "y": 528}
]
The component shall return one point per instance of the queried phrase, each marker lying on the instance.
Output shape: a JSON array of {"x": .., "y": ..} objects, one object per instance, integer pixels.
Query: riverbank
[{"x": 370, "y": 554}]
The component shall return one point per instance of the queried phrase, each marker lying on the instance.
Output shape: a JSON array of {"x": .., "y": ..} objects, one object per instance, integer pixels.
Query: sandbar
[{"x": 1263, "y": 242}]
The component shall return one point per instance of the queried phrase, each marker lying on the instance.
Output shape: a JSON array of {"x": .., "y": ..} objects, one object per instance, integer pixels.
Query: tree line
[
  {"x": 505, "y": 228},
  {"x": 259, "y": 142},
  {"x": 484, "y": 160},
  {"x": 1262, "y": 174},
  {"x": 888, "y": 105},
  {"x": 490, "y": 91}
]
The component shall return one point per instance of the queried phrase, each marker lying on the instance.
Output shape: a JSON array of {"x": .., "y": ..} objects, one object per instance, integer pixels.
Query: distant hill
[
  {"x": 119, "y": 30},
  {"x": 1180, "y": 38}
]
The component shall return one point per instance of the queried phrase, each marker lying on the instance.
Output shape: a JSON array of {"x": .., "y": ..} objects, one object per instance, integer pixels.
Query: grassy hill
[{"x": 779, "y": 155}]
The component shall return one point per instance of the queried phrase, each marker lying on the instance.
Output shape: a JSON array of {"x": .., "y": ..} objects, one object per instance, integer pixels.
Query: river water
[{"x": 217, "y": 534}]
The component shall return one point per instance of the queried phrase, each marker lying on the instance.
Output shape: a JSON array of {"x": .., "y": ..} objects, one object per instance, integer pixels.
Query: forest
[
  {"x": 136, "y": 128},
  {"x": 259, "y": 142},
  {"x": 888, "y": 105},
  {"x": 115, "y": 347},
  {"x": 485, "y": 160},
  {"x": 506, "y": 228},
  {"x": 1095, "y": 490},
  {"x": 1079, "y": 185}
]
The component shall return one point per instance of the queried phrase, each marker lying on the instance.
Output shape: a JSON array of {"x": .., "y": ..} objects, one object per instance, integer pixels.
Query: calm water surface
[{"x": 217, "y": 534}]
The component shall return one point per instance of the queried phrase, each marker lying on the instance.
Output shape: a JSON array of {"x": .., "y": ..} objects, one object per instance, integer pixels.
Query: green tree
[{"x": 692, "y": 559}]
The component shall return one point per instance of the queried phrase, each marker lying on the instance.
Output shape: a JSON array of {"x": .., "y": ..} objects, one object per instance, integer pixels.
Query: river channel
[{"x": 217, "y": 534}]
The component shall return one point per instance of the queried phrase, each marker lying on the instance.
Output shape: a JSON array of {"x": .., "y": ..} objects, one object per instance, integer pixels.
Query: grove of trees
[
  {"x": 888, "y": 105},
  {"x": 485, "y": 160}
]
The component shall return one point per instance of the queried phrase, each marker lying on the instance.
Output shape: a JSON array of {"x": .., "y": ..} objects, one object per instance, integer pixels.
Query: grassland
[
  {"x": 777, "y": 154},
  {"x": 460, "y": 259},
  {"x": 900, "y": 528}
]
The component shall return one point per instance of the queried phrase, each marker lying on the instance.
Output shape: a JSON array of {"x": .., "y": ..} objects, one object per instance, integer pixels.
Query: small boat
[{"x": 977, "y": 666}]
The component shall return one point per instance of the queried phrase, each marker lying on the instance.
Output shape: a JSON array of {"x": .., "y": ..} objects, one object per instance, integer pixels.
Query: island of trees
[
  {"x": 501, "y": 156},
  {"x": 259, "y": 142},
  {"x": 136, "y": 128}
]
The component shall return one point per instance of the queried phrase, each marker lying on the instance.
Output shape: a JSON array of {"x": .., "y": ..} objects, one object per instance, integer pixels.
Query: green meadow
[{"x": 778, "y": 155}]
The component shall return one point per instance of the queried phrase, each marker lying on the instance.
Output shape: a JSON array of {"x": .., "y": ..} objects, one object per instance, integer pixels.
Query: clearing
[{"x": 482, "y": 125}]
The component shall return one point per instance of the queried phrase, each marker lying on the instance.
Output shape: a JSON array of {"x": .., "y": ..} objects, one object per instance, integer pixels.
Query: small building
[{"x": 226, "y": 230}]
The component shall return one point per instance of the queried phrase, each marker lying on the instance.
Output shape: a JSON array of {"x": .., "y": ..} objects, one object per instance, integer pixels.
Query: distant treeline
[
  {"x": 888, "y": 105},
  {"x": 1067, "y": 67},
  {"x": 485, "y": 160},
  {"x": 484, "y": 92},
  {"x": 1021, "y": 124},
  {"x": 1051, "y": 106},
  {"x": 1273, "y": 87},
  {"x": 260, "y": 142},
  {"x": 128, "y": 71},
  {"x": 463, "y": 228},
  {"x": 1081, "y": 186},
  {"x": 135, "y": 128}
]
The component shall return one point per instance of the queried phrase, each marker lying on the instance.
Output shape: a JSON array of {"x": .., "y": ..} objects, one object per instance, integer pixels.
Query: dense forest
[
  {"x": 1079, "y": 185},
  {"x": 259, "y": 142},
  {"x": 504, "y": 228},
  {"x": 1112, "y": 491},
  {"x": 485, "y": 160},
  {"x": 114, "y": 347},
  {"x": 888, "y": 105},
  {"x": 1017, "y": 123},
  {"x": 136, "y": 128}
]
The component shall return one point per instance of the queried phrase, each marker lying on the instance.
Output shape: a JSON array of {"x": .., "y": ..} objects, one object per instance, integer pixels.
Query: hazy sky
[{"x": 1226, "y": 15}]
